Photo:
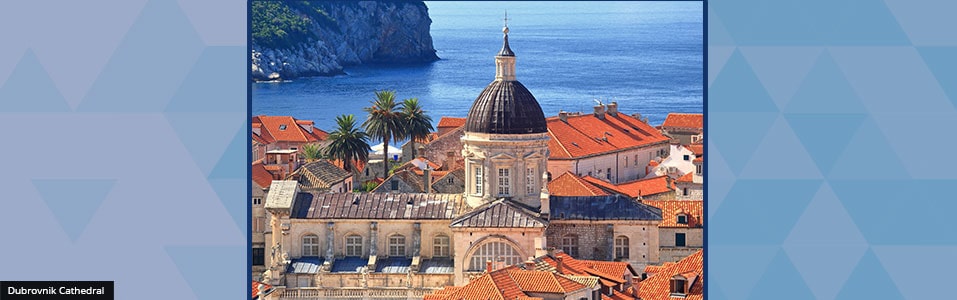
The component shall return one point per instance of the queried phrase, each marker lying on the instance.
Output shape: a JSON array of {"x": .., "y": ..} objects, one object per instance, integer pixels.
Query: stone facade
[
  {"x": 694, "y": 241},
  {"x": 622, "y": 164},
  {"x": 446, "y": 149},
  {"x": 522, "y": 156},
  {"x": 596, "y": 240}
]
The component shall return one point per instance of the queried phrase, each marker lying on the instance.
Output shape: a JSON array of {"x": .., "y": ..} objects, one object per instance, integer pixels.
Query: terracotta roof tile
[
  {"x": 509, "y": 283},
  {"x": 644, "y": 187},
  {"x": 688, "y": 177},
  {"x": 697, "y": 149},
  {"x": 255, "y": 289},
  {"x": 261, "y": 177},
  {"x": 568, "y": 184},
  {"x": 693, "y": 209},
  {"x": 543, "y": 282},
  {"x": 607, "y": 271},
  {"x": 450, "y": 122},
  {"x": 586, "y": 135},
  {"x": 287, "y": 129},
  {"x": 682, "y": 120},
  {"x": 658, "y": 287}
]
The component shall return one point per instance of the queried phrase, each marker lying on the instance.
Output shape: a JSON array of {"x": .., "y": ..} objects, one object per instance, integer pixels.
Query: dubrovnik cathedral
[{"x": 415, "y": 243}]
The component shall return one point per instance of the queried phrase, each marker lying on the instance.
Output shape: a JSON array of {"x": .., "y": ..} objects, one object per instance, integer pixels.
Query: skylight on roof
[{"x": 282, "y": 126}]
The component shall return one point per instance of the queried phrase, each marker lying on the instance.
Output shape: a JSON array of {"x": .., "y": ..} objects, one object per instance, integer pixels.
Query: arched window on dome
[{"x": 497, "y": 252}]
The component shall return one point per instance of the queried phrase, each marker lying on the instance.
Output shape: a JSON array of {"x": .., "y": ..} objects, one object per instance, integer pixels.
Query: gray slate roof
[
  {"x": 321, "y": 174},
  {"x": 440, "y": 265},
  {"x": 305, "y": 265},
  {"x": 314, "y": 205},
  {"x": 501, "y": 213},
  {"x": 612, "y": 207},
  {"x": 393, "y": 265}
]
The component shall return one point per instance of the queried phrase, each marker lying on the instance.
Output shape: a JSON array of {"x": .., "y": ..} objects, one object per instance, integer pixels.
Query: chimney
[
  {"x": 530, "y": 264},
  {"x": 563, "y": 115},
  {"x": 560, "y": 268},
  {"x": 613, "y": 109},
  {"x": 488, "y": 266},
  {"x": 668, "y": 180},
  {"x": 427, "y": 174},
  {"x": 600, "y": 112}
]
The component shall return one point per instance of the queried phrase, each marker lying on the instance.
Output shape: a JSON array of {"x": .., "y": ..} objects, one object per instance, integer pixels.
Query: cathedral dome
[{"x": 505, "y": 106}]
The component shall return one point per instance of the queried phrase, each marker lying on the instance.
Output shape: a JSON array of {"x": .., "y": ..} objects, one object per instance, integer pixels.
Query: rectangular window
[
  {"x": 698, "y": 169},
  {"x": 685, "y": 191},
  {"x": 397, "y": 245},
  {"x": 259, "y": 256},
  {"x": 503, "y": 182},
  {"x": 682, "y": 219},
  {"x": 687, "y": 157},
  {"x": 440, "y": 246},
  {"x": 259, "y": 225},
  {"x": 530, "y": 180},
  {"x": 353, "y": 245},
  {"x": 679, "y": 239},
  {"x": 395, "y": 185},
  {"x": 478, "y": 180},
  {"x": 608, "y": 174},
  {"x": 257, "y": 201}
]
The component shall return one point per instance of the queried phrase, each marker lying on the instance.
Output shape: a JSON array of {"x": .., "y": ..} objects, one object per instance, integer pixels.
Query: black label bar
[{"x": 66, "y": 290}]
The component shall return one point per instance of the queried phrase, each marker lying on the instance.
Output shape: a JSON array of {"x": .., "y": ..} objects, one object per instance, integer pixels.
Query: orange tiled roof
[
  {"x": 647, "y": 186},
  {"x": 542, "y": 282},
  {"x": 509, "y": 283},
  {"x": 688, "y": 177},
  {"x": 261, "y": 177},
  {"x": 568, "y": 184},
  {"x": 572, "y": 266},
  {"x": 450, "y": 122},
  {"x": 287, "y": 129},
  {"x": 697, "y": 149},
  {"x": 256, "y": 288},
  {"x": 658, "y": 287},
  {"x": 682, "y": 120},
  {"x": 586, "y": 135},
  {"x": 698, "y": 159},
  {"x": 693, "y": 209}
]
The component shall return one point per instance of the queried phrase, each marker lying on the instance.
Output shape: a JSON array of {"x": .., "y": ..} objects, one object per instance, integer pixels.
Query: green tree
[
  {"x": 384, "y": 123},
  {"x": 311, "y": 152},
  {"x": 418, "y": 124},
  {"x": 348, "y": 143}
]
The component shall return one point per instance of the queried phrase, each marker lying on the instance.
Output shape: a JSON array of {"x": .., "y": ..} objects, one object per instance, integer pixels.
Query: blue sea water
[{"x": 647, "y": 56}]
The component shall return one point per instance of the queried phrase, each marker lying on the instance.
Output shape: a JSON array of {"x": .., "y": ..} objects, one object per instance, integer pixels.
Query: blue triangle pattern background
[
  {"x": 869, "y": 281},
  {"x": 30, "y": 89},
  {"x": 74, "y": 201},
  {"x": 781, "y": 278},
  {"x": 199, "y": 263}
]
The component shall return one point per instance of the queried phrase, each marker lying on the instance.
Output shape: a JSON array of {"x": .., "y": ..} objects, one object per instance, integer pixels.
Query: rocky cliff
[{"x": 296, "y": 39}]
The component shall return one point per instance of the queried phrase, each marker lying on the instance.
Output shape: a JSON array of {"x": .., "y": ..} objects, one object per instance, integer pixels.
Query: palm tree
[
  {"x": 311, "y": 152},
  {"x": 348, "y": 143},
  {"x": 418, "y": 125},
  {"x": 384, "y": 123}
]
